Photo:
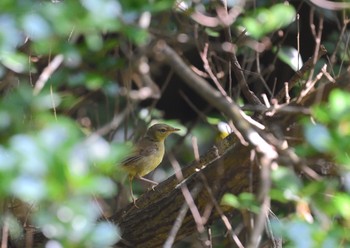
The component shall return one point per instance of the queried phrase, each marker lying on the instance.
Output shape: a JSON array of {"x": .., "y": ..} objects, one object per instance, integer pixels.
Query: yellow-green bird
[{"x": 148, "y": 153}]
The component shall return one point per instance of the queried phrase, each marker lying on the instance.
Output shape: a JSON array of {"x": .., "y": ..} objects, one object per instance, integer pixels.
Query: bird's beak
[{"x": 174, "y": 130}]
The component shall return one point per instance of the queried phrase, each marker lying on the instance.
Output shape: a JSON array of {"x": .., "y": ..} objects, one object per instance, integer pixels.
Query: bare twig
[
  {"x": 298, "y": 39},
  {"x": 333, "y": 56},
  {"x": 263, "y": 197},
  {"x": 216, "y": 99},
  {"x": 223, "y": 18},
  {"x": 187, "y": 195},
  {"x": 317, "y": 36},
  {"x": 113, "y": 124},
  {"x": 179, "y": 219},
  {"x": 345, "y": 49},
  {"x": 47, "y": 72},
  {"x": 237, "y": 70},
  {"x": 287, "y": 92},
  {"x": 276, "y": 240},
  {"x": 305, "y": 91},
  {"x": 309, "y": 64},
  {"x": 53, "y": 103},
  {"x": 331, "y": 5},
  {"x": 204, "y": 56},
  {"x": 5, "y": 232},
  {"x": 223, "y": 217}
]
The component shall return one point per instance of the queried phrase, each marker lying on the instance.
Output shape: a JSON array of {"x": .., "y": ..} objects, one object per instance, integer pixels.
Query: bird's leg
[
  {"x": 154, "y": 184},
  {"x": 147, "y": 180},
  {"x": 131, "y": 191}
]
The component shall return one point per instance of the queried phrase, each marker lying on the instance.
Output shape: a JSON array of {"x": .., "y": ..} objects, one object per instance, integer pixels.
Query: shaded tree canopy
[{"x": 258, "y": 89}]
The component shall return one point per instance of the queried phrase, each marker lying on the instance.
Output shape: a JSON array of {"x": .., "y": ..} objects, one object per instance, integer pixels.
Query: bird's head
[{"x": 159, "y": 132}]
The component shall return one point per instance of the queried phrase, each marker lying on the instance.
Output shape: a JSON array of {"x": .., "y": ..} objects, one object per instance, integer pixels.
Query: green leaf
[
  {"x": 339, "y": 102},
  {"x": 290, "y": 56},
  {"x": 230, "y": 200},
  {"x": 212, "y": 32},
  {"x": 264, "y": 21},
  {"x": 318, "y": 136},
  {"x": 286, "y": 182},
  {"x": 342, "y": 204},
  {"x": 16, "y": 62},
  {"x": 137, "y": 35},
  {"x": 36, "y": 27},
  {"x": 94, "y": 81},
  {"x": 243, "y": 201}
]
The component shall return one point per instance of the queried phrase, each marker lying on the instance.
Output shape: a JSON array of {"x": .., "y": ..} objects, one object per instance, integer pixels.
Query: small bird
[{"x": 147, "y": 154}]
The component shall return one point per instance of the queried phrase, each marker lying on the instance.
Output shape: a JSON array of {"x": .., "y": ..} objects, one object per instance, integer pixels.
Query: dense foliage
[{"x": 78, "y": 79}]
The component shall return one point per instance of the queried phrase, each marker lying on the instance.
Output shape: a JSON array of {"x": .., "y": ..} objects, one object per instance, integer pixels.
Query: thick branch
[
  {"x": 149, "y": 226},
  {"x": 216, "y": 99},
  {"x": 227, "y": 168}
]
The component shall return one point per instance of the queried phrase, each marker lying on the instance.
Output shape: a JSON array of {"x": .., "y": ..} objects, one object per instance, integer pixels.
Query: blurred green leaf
[
  {"x": 300, "y": 233},
  {"x": 16, "y": 62},
  {"x": 242, "y": 201},
  {"x": 212, "y": 32},
  {"x": 230, "y": 200},
  {"x": 342, "y": 204},
  {"x": 47, "y": 160},
  {"x": 339, "y": 103},
  {"x": 286, "y": 182},
  {"x": 140, "y": 5},
  {"x": 94, "y": 81},
  {"x": 36, "y": 27},
  {"x": 318, "y": 136},
  {"x": 290, "y": 56},
  {"x": 137, "y": 35},
  {"x": 10, "y": 35},
  {"x": 264, "y": 21}
]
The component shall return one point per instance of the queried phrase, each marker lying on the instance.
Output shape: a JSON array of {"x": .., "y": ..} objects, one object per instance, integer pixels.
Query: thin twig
[
  {"x": 331, "y": 5},
  {"x": 343, "y": 56},
  {"x": 237, "y": 70},
  {"x": 223, "y": 217},
  {"x": 199, "y": 113},
  {"x": 214, "y": 97},
  {"x": 304, "y": 92},
  {"x": 113, "y": 124},
  {"x": 309, "y": 64},
  {"x": 204, "y": 56},
  {"x": 186, "y": 193},
  {"x": 317, "y": 36},
  {"x": 298, "y": 39},
  {"x": 264, "y": 199},
  {"x": 47, "y": 72},
  {"x": 333, "y": 56},
  {"x": 179, "y": 219},
  {"x": 5, "y": 232},
  {"x": 286, "y": 87},
  {"x": 275, "y": 238},
  {"x": 53, "y": 103}
]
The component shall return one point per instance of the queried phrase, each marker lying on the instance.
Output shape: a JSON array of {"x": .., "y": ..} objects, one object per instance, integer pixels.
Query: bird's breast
[{"x": 153, "y": 159}]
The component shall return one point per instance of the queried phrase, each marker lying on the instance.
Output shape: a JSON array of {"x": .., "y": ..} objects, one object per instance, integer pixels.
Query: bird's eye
[{"x": 162, "y": 130}]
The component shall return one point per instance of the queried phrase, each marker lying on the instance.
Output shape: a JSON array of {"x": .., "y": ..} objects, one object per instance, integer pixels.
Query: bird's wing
[
  {"x": 131, "y": 159},
  {"x": 146, "y": 148},
  {"x": 143, "y": 149}
]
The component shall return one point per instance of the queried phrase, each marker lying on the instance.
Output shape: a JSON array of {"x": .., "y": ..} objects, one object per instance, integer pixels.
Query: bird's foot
[
  {"x": 134, "y": 201},
  {"x": 154, "y": 186}
]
